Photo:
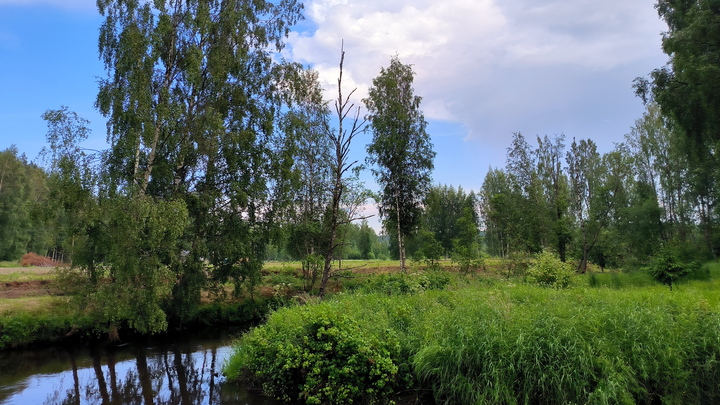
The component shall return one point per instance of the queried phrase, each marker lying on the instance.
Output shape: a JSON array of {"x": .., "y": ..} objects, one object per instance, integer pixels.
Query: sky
[{"x": 484, "y": 68}]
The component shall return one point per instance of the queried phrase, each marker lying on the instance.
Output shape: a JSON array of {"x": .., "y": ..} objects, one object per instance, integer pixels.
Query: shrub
[
  {"x": 667, "y": 268},
  {"x": 317, "y": 356},
  {"x": 549, "y": 271},
  {"x": 435, "y": 280},
  {"x": 509, "y": 344}
]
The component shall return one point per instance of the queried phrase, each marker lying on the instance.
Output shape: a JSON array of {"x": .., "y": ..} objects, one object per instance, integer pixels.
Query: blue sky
[{"x": 485, "y": 68}]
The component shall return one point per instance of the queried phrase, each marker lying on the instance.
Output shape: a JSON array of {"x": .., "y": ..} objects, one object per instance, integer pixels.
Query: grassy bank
[
  {"x": 615, "y": 339},
  {"x": 46, "y": 320},
  {"x": 32, "y": 314}
]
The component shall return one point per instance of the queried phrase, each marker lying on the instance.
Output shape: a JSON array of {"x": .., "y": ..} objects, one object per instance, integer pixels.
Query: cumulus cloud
[{"x": 486, "y": 64}]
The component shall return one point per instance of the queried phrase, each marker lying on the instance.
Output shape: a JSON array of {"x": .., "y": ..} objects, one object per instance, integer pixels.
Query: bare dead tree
[{"x": 341, "y": 167}]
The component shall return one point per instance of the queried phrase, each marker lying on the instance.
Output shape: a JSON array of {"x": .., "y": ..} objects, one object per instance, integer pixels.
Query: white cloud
[{"x": 486, "y": 64}]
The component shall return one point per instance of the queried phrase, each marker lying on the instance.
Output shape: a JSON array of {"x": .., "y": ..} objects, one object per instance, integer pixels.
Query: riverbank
[
  {"x": 608, "y": 338},
  {"x": 43, "y": 321},
  {"x": 34, "y": 313},
  {"x": 172, "y": 368}
]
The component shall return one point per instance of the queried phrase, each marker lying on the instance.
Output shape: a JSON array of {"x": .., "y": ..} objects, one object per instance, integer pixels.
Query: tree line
[
  {"x": 615, "y": 209},
  {"x": 218, "y": 150},
  {"x": 221, "y": 153},
  {"x": 653, "y": 197}
]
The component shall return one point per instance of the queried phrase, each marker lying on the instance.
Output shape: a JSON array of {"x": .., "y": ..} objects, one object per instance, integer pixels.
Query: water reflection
[{"x": 185, "y": 371}]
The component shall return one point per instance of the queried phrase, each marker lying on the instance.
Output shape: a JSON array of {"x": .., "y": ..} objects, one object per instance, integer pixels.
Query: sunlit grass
[
  {"x": 24, "y": 275},
  {"x": 40, "y": 305},
  {"x": 627, "y": 339}
]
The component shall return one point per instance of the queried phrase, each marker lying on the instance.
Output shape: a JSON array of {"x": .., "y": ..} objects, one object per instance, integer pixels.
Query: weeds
[{"x": 507, "y": 343}]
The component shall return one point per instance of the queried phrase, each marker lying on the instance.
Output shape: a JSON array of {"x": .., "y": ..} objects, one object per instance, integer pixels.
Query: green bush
[
  {"x": 499, "y": 344},
  {"x": 27, "y": 329},
  {"x": 667, "y": 268},
  {"x": 468, "y": 258},
  {"x": 549, "y": 271},
  {"x": 435, "y": 280},
  {"x": 244, "y": 312},
  {"x": 317, "y": 356}
]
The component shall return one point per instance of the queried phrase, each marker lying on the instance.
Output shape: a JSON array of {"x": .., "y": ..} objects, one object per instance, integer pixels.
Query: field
[{"x": 607, "y": 338}]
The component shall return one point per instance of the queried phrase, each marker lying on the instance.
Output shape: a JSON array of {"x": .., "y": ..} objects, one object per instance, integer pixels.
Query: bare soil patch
[{"x": 21, "y": 289}]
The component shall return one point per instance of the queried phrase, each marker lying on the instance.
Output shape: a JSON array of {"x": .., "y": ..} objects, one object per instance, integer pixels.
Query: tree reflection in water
[
  {"x": 175, "y": 377},
  {"x": 165, "y": 374}
]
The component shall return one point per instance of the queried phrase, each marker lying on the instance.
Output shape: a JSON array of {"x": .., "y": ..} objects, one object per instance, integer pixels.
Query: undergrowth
[{"x": 503, "y": 343}]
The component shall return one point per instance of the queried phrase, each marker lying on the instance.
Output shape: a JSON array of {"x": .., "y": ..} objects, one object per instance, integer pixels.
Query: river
[{"x": 181, "y": 368}]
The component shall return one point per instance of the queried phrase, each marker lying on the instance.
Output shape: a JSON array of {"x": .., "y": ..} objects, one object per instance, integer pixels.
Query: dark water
[{"x": 182, "y": 369}]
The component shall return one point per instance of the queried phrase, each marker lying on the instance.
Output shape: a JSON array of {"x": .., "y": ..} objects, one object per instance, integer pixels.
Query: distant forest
[{"x": 616, "y": 209}]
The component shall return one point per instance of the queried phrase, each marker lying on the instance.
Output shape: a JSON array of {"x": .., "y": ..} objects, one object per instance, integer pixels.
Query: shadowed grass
[{"x": 25, "y": 321}]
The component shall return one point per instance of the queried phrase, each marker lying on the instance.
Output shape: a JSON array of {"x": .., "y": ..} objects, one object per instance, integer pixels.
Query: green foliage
[
  {"x": 684, "y": 91},
  {"x": 428, "y": 249},
  {"x": 311, "y": 269},
  {"x": 122, "y": 274},
  {"x": 202, "y": 137},
  {"x": 517, "y": 264},
  {"x": 444, "y": 208},
  {"x": 241, "y": 313},
  {"x": 468, "y": 258},
  {"x": 466, "y": 243},
  {"x": 24, "y": 215},
  {"x": 404, "y": 283},
  {"x": 400, "y": 150},
  {"x": 507, "y": 344},
  {"x": 316, "y": 356},
  {"x": 667, "y": 268},
  {"x": 549, "y": 271}
]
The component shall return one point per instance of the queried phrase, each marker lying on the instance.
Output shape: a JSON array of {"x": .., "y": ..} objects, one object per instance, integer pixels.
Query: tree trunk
[
  {"x": 583, "y": 262},
  {"x": 401, "y": 240},
  {"x": 333, "y": 233}
]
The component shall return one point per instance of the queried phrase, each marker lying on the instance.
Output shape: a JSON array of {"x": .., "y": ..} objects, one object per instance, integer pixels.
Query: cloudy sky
[{"x": 485, "y": 68}]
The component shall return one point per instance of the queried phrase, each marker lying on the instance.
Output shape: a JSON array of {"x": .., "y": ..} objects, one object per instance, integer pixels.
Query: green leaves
[
  {"x": 549, "y": 271},
  {"x": 317, "y": 356},
  {"x": 667, "y": 266},
  {"x": 130, "y": 258},
  {"x": 400, "y": 150},
  {"x": 504, "y": 343},
  {"x": 198, "y": 166}
]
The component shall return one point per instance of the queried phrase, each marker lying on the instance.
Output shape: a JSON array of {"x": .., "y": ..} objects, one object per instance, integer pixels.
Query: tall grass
[
  {"x": 33, "y": 320},
  {"x": 512, "y": 343}
]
